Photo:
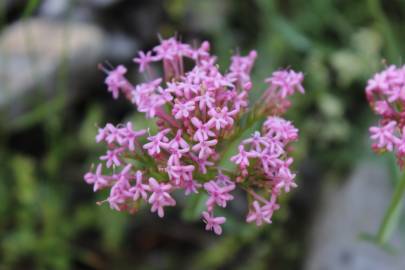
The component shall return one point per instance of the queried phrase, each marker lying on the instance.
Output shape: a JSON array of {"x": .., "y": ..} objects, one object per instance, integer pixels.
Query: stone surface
[
  {"x": 32, "y": 54},
  {"x": 52, "y": 8},
  {"x": 31, "y": 51},
  {"x": 346, "y": 212}
]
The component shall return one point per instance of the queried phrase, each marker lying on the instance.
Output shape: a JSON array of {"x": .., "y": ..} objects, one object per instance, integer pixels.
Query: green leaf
[
  {"x": 291, "y": 34},
  {"x": 195, "y": 205}
]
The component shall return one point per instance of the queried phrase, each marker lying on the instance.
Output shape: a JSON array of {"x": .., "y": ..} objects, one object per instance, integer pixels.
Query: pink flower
[
  {"x": 140, "y": 189},
  {"x": 160, "y": 196},
  {"x": 205, "y": 100},
  {"x": 203, "y": 130},
  {"x": 218, "y": 194},
  {"x": 109, "y": 134},
  {"x": 280, "y": 129},
  {"x": 115, "y": 80},
  {"x": 285, "y": 179},
  {"x": 257, "y": 141},
  {"x": 386, "y": 95},
  {"x": 177, "y": 144},
  {"x": 180, "y": 173},
  {"x": 380, "y": 82},
  {"x": 199, "y": 112},
  {"x": 384, "y": 136},
  {"x": 167, "y": 49},
  {"x": 191, "y": 186},
  {"x": 187, "y": 89},
  {"x": 147, "y": 97},
  {"x": 383, "y": 108},
  {"x": 204, "y": 148},
  {"x": 98, "y": 180},
  {"x": 196, "y": 76},
  {"x": 183, "y": 110},
  {"x": 213, "y": 223},
  {"x": 241, "y": 67},
  {"x": 287, "y": 82},
  {"x": 258, "y": 214},
  {"x": 220, "y": 118},
  {"x": 120, "y": 192},
  {"x": 156, "y": 142},
  {"x": 129, "y": 136},
  {"x": 202, "y": 52},
  {"x": 203, "y": 164},
  {"x": 101, "y": 135},
  {"x": 242, "y": 158},
  {"x": 112, "y": 157},
  {"x": 240, "y": 101},
  {"x": 143, "y": 60},
  {"x": 270, "y": 162}
]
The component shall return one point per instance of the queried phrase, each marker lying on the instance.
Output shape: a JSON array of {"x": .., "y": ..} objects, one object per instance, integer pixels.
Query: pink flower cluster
[
  {"x": 386, "y": 95},
  {"x": 198, "y": 113}
]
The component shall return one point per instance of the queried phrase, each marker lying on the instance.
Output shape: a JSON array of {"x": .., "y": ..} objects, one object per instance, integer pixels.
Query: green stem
[{"x": 391, "y": 216}]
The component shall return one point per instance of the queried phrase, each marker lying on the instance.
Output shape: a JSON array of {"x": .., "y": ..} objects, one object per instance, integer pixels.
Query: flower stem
[{"x": 392, "y": 214}]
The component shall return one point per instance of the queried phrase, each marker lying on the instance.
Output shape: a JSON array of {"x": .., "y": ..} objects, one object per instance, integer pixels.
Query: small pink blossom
[
  {"x": 213, "y": 223},
  {"x": 143, "y": 60},
  {"x": 140, "y": 189},
  {"x": 160, "y": 196},
  {"x": 191, "y": 186},
  {"x": 156, "y": 142},
  {"x": 220, "y": 118},
  {"x": 98, "y": 180},
  {"x": 241, "y": 67},
  {"x": 285, "y": 179},
  {"x": 258, "y": 214},
  {"x": 205, "y": 100},
  {"x": 129, "y": 136},
  {"x": 120, "y": 191},
  {"x": 287, "y": 82},
  {"x": 112, "y": 157},
  {"x": 257, "y": 142},
  {"x": 384, "y": 136},
  {"x": 115, "y": 80},
  {"x": 203, "y": 131},
  {"x": 204, "y": 148},
  {"x": 280, "y": 128},
  {"x": 183, "y": 110},
  {"x": 242, "y": 158},
  {"x": 218, "y": 194}
]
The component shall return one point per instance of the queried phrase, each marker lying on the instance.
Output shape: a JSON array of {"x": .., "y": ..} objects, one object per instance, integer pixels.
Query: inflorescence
[
  {"x": 386, "y": 95},
  {"x": 199, "y": 113}
]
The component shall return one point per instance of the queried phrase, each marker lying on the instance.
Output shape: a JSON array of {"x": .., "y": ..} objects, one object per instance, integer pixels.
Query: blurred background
[{"x": 52, "y": 98}]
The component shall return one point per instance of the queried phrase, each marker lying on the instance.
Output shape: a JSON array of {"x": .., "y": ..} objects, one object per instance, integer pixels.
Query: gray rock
[
  {"x": 345, "y": 213},
  {"x": 33, "y": 52},
  {"x": 54, "y": 8}
]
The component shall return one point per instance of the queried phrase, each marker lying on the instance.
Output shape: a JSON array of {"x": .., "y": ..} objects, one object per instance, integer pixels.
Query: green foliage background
[{"x": 48, "y": 216}]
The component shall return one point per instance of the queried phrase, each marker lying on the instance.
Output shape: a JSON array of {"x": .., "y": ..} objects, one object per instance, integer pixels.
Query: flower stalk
[{"x": 392, "y": 214}]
